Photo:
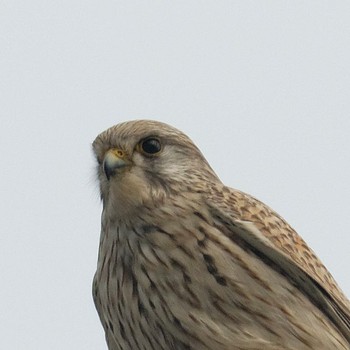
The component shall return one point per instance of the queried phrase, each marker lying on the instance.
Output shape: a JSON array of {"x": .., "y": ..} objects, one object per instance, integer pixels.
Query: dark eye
[{"x": 151, "y": 146}]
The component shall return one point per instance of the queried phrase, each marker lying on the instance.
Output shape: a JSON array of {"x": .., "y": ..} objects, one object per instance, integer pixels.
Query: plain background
[{"x": 262, "y": 87}]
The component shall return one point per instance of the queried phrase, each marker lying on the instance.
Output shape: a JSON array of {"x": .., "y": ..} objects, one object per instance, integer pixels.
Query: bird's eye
[{"x": 151, "y": 146}]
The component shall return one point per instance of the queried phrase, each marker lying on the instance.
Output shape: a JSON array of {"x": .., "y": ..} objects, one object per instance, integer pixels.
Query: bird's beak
[{"x": 114, "y": 161}]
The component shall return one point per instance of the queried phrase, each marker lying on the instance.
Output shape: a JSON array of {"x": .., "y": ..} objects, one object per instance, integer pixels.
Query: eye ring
[{"x": 150, "y": 146}]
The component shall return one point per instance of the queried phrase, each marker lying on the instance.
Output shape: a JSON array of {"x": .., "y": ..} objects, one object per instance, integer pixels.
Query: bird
[{"x": 188, "y": 263}]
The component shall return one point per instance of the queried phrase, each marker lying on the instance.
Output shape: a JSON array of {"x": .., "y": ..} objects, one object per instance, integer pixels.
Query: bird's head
[{"x": 143, "y": 162}]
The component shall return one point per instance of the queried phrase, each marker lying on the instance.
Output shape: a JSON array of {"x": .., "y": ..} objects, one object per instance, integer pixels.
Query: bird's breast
[{"x": 163, "y": 285}]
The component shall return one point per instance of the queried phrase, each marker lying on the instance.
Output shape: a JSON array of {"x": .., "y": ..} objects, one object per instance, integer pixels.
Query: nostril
[
  {"x": 119, "y": 153},
  {"x": 114, "y": 160}
]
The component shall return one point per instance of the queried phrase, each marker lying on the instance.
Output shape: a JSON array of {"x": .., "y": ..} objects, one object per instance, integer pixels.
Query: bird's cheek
[{"x": 127, "y": 194}]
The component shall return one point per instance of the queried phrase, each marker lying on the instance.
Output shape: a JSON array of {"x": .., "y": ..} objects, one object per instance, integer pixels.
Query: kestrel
[{"x": 187, "y": 263}]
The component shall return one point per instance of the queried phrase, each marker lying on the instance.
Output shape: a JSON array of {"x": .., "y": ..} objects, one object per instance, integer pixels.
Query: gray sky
[{"x": 262, "y": 87}]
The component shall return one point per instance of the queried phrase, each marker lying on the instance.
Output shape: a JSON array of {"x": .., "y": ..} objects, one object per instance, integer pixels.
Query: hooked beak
[{"x": 114, "y": 161}]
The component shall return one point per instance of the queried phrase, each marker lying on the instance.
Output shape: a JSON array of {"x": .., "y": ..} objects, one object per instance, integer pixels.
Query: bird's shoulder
[
  {"x": 268, "y": 234},
  {"x": 239, "y": 206}
]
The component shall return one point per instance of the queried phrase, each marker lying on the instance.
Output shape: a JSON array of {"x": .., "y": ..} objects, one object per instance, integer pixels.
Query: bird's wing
[{"x": 258, "y": 229}]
